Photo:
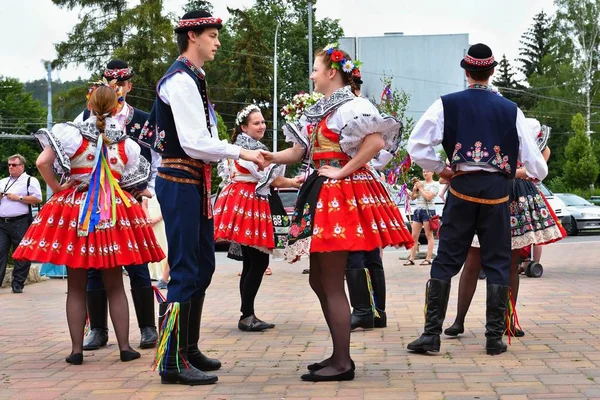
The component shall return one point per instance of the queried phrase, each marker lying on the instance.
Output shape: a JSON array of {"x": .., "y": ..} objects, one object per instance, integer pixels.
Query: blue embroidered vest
[
  {"x": 480, "y": 129},
  {"x": 160, "y": 132},
  {"x": 133, "y": 127}
]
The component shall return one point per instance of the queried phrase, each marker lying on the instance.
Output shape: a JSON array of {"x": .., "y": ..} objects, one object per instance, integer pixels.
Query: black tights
[
  {"x": 255, "y": 263},
  {"x": 470, "y": 276},
  {"x": 117, "y": 301},
  {"x": 327, "y": 271}
]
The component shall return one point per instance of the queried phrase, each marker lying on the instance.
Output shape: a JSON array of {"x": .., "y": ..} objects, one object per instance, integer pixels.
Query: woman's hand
[
  {"x": 331, "y": 172},
  {"x": 64, "y": 186},
  {"x": 296, "y": 182}
]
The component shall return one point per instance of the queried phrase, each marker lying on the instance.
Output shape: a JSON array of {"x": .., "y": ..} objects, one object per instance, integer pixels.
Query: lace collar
[
  {"x": 317, "y": 111},
  {"x": 113, "y": 131},
  {"x": 249, "y": 143}
]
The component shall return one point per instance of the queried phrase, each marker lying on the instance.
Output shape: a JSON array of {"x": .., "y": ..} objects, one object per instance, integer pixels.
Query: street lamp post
[{"x": 275, "y": 89}]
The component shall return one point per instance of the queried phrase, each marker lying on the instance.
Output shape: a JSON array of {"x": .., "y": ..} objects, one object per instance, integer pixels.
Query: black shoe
[
  {"x": 437, "y": 292},
  {"x": 516, "y": 332},
  {"x": 455, "y": 330},
  {"x": 175, "y": 367},
  {"x": 97, "y": 337},
  {"x": 149, "y": 337},
  {"x": 17, "y": 289},
  {"x": 253, "y": 324},
  {"x": 75, "y": 359},
  {"x": 195, "y": 356},
  {"x": 379, "y": 293},
  {"x": 344, "y": 376},
  {"x": 143, "y": 302},
  {"x": 97, "y": 308},
  {"x": 318, "y": 366},
  {"x": 497, "y": 297},
  {"x": 129, "y": 355}
]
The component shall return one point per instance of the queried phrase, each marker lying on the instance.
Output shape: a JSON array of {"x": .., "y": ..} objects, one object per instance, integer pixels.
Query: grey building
[{"x": 424, "y": 66}]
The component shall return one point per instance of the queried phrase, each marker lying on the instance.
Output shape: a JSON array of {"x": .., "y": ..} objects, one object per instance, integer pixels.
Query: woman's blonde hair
[{"x": 103, "y": 103}]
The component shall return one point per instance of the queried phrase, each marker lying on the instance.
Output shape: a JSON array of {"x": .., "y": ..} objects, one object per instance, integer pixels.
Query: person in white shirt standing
[
  {"x": 18, "y": 192},
  {"x": 484, "y": 135},
  {"x": 182, "y": 127}
]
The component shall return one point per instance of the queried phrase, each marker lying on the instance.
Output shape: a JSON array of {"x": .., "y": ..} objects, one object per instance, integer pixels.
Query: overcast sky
[{"x": 29, "y": 28}]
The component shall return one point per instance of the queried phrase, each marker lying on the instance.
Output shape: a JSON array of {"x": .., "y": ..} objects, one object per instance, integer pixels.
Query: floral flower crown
[
  {"x": 293, "y": 110},
  {"x": 338, "y": 61},
  {"x": 103, "y": 82},
  {"x": 243, "y": 114}
]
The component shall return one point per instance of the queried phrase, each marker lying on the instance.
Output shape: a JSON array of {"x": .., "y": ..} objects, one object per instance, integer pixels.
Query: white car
[
  {"x": 584, "y": 215},
  {"x": 560, "y": 209}
]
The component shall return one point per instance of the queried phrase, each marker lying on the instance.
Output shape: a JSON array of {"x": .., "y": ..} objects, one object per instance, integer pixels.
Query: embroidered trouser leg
[{"x": 190, "y": 237}]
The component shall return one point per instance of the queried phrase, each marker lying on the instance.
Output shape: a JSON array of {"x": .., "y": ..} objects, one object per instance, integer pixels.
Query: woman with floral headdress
[
  {"x": 342, "y": 206},
  {"x": 248, "y": 213},
  {"x": 90, "y": 222}
]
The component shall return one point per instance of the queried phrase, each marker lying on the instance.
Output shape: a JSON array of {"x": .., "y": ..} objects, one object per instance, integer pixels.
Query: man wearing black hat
[
  {"x": 182, "y": 127},
  {"x": 483, "y": 135},
  {"x": 132, "y": 120}
]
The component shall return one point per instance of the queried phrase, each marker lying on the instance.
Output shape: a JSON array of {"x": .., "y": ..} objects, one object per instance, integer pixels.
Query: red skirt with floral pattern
[
  {"x": 243, "y": 217},
  {"x": 52, "y": 237},
  {"x": 352, "y": 214}
]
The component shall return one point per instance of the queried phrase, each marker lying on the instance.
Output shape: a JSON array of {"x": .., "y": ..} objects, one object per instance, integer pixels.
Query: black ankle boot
[
  {"x": 497, "y": 297},
  {"x": 437, "y": 293},
  {"x": 360, "y": 299},
  {"x": 195, "y": 356},
  {"x": 378, "y": 281},
  {"x": 174, "y": 367},
  {"x": 97, "y": 308},
  {"x": 143, "y": 302},
  {"x": 455, "y": 329}
]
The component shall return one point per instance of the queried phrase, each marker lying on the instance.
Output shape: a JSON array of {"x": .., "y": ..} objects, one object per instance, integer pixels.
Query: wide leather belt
[
  {"x": 200, "y": 171},
  {"x": 477, "y": 199}
]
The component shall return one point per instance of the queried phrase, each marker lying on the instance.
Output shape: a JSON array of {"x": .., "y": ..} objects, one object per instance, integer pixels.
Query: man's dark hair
[
  {"x": 181, "y": 32},
  {"x": 182, "y": 39},
  {"x": 481, "y": 75}
]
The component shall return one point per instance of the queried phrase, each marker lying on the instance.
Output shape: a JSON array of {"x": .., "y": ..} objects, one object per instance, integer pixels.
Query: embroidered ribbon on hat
[
  {"x": 187, "y": 23},
  {"x": 479, "y": 62},
  {"x": 118, "y": 73}
]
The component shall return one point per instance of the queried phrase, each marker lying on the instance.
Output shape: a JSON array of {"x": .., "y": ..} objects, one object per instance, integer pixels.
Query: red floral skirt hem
[
  {"x": 52, "y": 236},
  {"x": 352, "y": 214},
  {"x": 242, "y": 217}
]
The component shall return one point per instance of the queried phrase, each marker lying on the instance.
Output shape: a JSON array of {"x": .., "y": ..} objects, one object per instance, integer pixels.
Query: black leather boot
[
  {"x": 360, "y": 299},
  {"x": 378, "y": 281},
  {"x": 497, "y": 297},
  {"x": 143, "y": 301},
  {"x": 195, "y": 356},
  {"x": 175, "y": 367},
  {"x": 97, "y": 308},
  {"x": 437, "y": 293}
]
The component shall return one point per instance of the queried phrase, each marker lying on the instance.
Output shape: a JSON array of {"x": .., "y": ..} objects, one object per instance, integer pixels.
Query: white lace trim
[
  {"x": 294, "y": 252},
  {"x": 548, "y": 235},
  {"x": 354, "y": 131}
]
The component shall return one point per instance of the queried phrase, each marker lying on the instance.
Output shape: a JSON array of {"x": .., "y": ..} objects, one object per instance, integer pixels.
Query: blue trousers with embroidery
[
  {"x": 139, "y": 277},
  {"x": 190, "y": 236},
  {"x": 461, "y": 219}
]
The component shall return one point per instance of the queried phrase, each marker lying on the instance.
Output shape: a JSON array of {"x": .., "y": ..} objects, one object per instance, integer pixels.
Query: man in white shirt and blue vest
[
  {"x": 182, "y": 127},
  {"x": 483, "y": 135},
  {"x": 18, "y": 193}
]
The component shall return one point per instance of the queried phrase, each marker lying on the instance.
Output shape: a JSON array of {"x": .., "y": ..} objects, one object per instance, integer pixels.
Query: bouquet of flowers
[{"x": 292, "y": 111}]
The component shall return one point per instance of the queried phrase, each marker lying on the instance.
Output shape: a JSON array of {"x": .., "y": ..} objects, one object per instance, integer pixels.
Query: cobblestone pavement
[{"x": 558, "y": 358}]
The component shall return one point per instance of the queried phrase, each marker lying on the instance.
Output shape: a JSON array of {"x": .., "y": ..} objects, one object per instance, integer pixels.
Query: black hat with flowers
[
  {"x": 199, "y": 19},
  {"x": 478, "y": 58}
]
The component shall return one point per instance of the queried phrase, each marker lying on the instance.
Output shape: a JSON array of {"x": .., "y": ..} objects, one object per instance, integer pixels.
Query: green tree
[
  {"x": 581, "y": 168},
  {"x": 102, "y": 29},
  {"x": 193, "y": 5},
  {"x": 20, "y": 114},
  {"x": 504, "y": 79},
  {"x": 537, "y": 43}
]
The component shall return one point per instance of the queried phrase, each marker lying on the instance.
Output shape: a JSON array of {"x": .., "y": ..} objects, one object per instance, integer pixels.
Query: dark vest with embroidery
[
  {"x": 160, "y": 132},
  {"x": 480, "y": 129},
  {"x": 133, "y": 127}
]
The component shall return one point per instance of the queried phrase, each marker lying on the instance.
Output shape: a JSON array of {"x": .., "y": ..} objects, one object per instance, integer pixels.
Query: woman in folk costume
[
  {"x": 342, "y": 206},
  {"x": 247, "y": 212},
  {"x": 532, "y": 222},
  {"x": 90, "y": 222}
]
